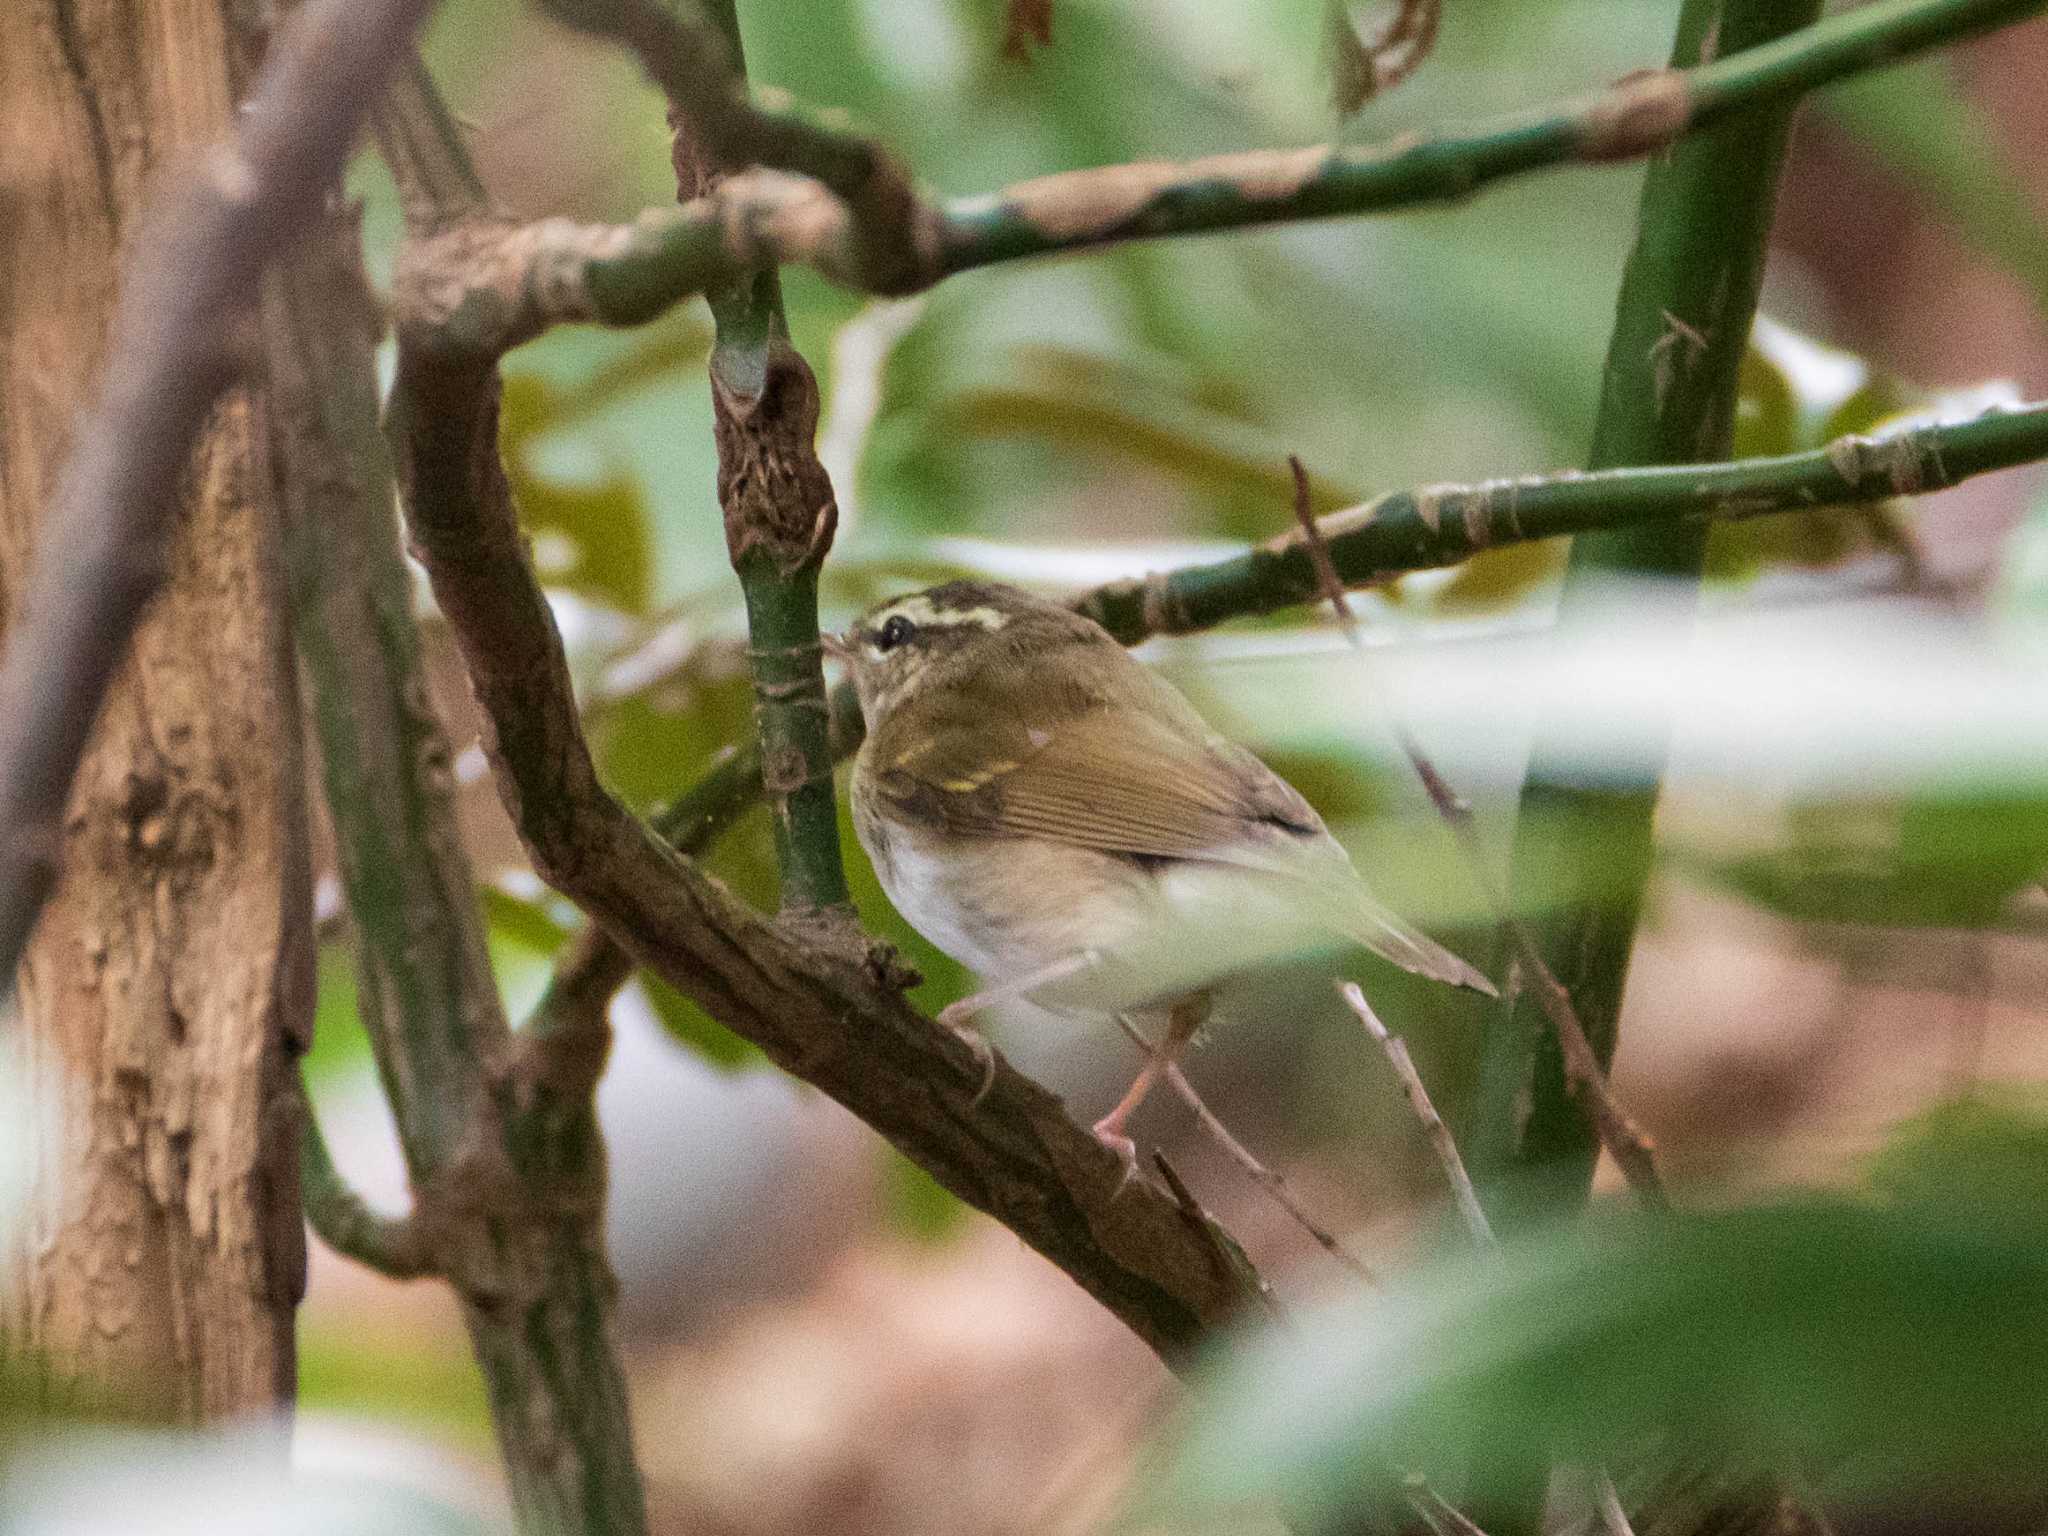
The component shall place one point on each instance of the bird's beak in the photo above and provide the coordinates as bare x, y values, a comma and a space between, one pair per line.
837, 646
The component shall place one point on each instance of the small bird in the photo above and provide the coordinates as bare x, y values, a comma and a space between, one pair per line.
1056, 816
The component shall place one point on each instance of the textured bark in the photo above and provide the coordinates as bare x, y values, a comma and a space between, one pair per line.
169, 984
500, 1134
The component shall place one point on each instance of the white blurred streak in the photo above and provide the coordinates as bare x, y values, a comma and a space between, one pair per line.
39, 1096
98, 1482
15, 1133
1822, 377
860, 358
1066, 566
1843, 699
657, 656
918, 43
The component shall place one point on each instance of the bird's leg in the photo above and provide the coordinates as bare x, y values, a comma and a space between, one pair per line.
1182, 1020
956, 1014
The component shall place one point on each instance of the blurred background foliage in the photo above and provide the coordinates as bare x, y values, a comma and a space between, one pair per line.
1063, 422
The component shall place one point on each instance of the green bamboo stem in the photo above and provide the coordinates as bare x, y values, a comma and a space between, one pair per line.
625, 275
1682, 323
505, 1163
778, 506
1688, 298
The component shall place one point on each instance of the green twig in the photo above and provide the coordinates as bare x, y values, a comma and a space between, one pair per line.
1437, 526
496, 287
1632, 118
780, 514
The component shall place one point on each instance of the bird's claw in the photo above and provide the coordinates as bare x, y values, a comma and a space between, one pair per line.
1126, 1151
984, 1053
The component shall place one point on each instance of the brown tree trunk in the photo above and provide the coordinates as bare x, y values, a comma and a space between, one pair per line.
169, 985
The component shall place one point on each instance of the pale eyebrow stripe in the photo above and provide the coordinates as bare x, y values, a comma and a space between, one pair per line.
919, 610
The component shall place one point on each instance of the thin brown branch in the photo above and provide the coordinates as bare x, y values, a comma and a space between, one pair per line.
827, 1011
1439, 1515
1434, 1510
1027, 24
394, 1246
700, 72
1439, 1134
1607, 1499
1367, 62
1266, 1178
1631, 1149
103, 553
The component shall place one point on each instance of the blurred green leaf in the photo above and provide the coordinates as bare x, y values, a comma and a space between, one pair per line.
339, 1040
1496, 578
652, 745
679, 343
429, 1380
1767, 416
518, 920
592, 539
918, 1204
1140, 415
691, 1026
2020, 592
1951, 857
1896, 1350
1996, 1146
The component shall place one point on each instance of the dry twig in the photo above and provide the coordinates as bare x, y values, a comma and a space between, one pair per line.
1026, 24
1425, 1111
1630, 1148
1613, 1516
1266, 1178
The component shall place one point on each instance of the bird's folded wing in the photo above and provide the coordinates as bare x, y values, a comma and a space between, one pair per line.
1118, 781
1128, 783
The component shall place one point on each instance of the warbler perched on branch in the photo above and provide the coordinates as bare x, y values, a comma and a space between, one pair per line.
1057, 817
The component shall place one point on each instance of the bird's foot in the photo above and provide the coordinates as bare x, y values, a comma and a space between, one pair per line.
1109, 1131
955, 1016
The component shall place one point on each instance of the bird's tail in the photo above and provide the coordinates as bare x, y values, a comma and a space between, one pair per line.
1392, 939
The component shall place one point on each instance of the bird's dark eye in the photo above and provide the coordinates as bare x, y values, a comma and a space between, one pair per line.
893, 633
